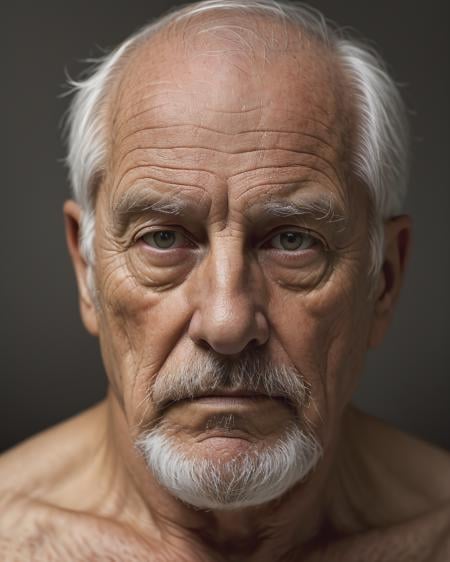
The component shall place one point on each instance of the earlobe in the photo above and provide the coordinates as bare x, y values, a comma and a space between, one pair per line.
72, 220
397, 244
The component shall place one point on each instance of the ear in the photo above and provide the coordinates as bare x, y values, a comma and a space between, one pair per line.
397, 244
72, 221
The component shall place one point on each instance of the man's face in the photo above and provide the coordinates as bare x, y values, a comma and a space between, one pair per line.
228, 223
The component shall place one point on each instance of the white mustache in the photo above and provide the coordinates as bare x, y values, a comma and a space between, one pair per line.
208, 374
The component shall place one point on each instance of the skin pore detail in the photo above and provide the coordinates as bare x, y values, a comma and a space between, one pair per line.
234, 309
228, 203
231, 222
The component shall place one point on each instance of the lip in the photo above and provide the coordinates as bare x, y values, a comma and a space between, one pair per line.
235, 393
232, 397
243, 395
237, 400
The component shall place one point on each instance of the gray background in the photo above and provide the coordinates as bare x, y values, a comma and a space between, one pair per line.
50, 368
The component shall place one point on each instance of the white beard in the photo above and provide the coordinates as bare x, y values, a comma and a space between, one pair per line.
249, 479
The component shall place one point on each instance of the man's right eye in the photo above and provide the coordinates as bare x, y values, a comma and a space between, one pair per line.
165, 239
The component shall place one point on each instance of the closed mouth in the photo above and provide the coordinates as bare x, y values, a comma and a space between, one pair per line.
234, 393
237, 394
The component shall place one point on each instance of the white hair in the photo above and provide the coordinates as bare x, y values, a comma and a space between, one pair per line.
267, 468
379, 154
246, 480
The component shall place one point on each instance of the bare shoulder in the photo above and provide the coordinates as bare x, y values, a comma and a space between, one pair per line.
44, 490
399, 490
35, 531
32, 530
405, 467
421, 539
42, 462
35, 471
29, 474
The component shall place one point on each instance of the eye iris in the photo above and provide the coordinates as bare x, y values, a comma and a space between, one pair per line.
164, 238
291, 240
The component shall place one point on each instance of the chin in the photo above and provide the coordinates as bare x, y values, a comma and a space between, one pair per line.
230, 473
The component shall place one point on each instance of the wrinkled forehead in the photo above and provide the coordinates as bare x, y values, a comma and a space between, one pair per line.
236, 75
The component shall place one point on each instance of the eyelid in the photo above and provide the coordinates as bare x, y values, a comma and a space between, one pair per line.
137, 237
165, 228
280, 230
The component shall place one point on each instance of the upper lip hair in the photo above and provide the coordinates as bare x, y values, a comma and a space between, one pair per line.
236, 393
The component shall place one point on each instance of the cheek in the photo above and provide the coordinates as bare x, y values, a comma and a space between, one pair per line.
138, 329
325, 335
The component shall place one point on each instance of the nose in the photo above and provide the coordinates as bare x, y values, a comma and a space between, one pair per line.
228, 316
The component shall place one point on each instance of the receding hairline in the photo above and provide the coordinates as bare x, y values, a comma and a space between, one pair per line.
193, 33
175, 35
380, 143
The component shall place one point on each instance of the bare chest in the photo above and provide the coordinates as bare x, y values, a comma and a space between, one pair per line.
54, 535
69, 537
426, 539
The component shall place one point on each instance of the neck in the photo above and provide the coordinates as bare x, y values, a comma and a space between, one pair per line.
260, 533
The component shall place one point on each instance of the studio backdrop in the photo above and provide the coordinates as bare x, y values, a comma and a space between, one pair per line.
50, 368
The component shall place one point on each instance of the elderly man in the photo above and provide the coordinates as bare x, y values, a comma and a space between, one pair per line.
238, 171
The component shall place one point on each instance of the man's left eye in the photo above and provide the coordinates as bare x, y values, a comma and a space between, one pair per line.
164, 239
292, 240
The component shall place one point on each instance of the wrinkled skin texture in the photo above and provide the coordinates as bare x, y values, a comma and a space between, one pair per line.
227, 289
224, 132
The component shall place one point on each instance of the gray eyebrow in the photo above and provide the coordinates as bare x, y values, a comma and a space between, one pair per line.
142, 200
137, 202
323, 209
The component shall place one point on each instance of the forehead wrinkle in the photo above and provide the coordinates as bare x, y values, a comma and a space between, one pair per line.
181, 95
257, 141
150, 109
213, 176
194, 78
327, 111
147, 167
188, 102
284, 168
233, 134
187, 93
308, 154
126, 115
157, 137
151, 129
260, 150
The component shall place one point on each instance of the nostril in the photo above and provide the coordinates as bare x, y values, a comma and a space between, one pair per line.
204, 345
